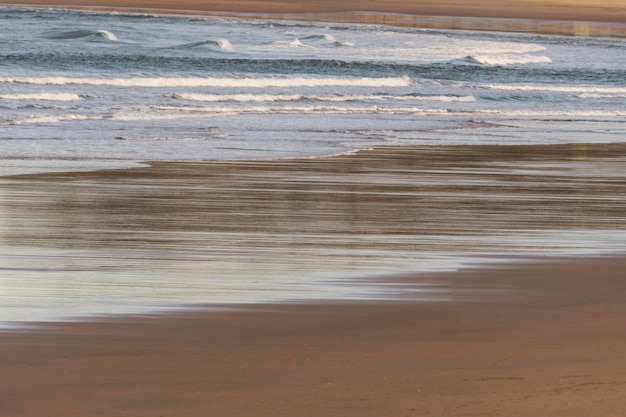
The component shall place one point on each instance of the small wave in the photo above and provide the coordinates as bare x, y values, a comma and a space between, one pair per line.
223, 44
261, 82
236, 97
343, 44
52, 119
158, 138
325, 37
320, 98
601, 95
507, 59
295, 43
557, 88
85, 33
41, 96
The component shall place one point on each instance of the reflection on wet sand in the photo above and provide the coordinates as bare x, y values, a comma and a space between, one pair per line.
241, 231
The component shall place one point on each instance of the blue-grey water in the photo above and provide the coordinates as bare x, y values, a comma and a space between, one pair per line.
82, 91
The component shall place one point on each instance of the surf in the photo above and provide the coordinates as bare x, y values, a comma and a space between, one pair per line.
216, 82
85, 33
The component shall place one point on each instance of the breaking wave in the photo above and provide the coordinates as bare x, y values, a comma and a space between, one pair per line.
85, 33
320, 98
507, 59
557, 88
223, 44
41, 96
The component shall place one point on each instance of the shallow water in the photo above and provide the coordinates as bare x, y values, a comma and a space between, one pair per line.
142, 240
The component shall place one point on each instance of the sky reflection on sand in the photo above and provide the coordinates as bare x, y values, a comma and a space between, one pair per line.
234, 232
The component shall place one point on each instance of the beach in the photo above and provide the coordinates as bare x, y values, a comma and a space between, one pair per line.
532, 336
551, 342
503, 333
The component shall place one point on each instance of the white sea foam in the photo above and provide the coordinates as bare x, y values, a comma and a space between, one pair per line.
574, 89
261, 82
50, 119
289, 44
41, 96
601, 95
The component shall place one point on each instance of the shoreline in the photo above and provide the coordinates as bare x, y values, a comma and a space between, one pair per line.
532, 347
608, 22
320, 228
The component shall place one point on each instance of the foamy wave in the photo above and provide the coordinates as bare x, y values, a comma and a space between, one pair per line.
77, 34
289, 44
508, 59
557, 88
51, 119
601, 95
268, 82
42, 96
321, 98
261, 110
325, 37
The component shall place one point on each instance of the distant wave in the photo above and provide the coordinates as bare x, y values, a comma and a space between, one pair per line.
325, 37
303, 97
291, 43
158, 138
153, 113
42, 96
507, 59
574, 89
85, 33
261, 82
601, 95
328, 40
220, 43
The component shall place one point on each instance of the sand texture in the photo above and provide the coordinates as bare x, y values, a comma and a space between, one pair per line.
549, 340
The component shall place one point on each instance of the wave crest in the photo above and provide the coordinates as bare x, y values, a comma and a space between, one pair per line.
507, 59
42, 97
223, 44
85, 33
250, 82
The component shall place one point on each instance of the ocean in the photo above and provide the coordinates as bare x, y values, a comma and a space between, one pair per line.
82, 91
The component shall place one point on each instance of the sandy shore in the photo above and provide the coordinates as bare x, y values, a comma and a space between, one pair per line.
548, 340
575, 17
527, 339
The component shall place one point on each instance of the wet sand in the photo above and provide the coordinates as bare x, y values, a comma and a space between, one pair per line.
550, 342
530, 338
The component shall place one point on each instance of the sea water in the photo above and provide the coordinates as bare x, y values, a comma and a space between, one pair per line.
78, 87
82, 91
